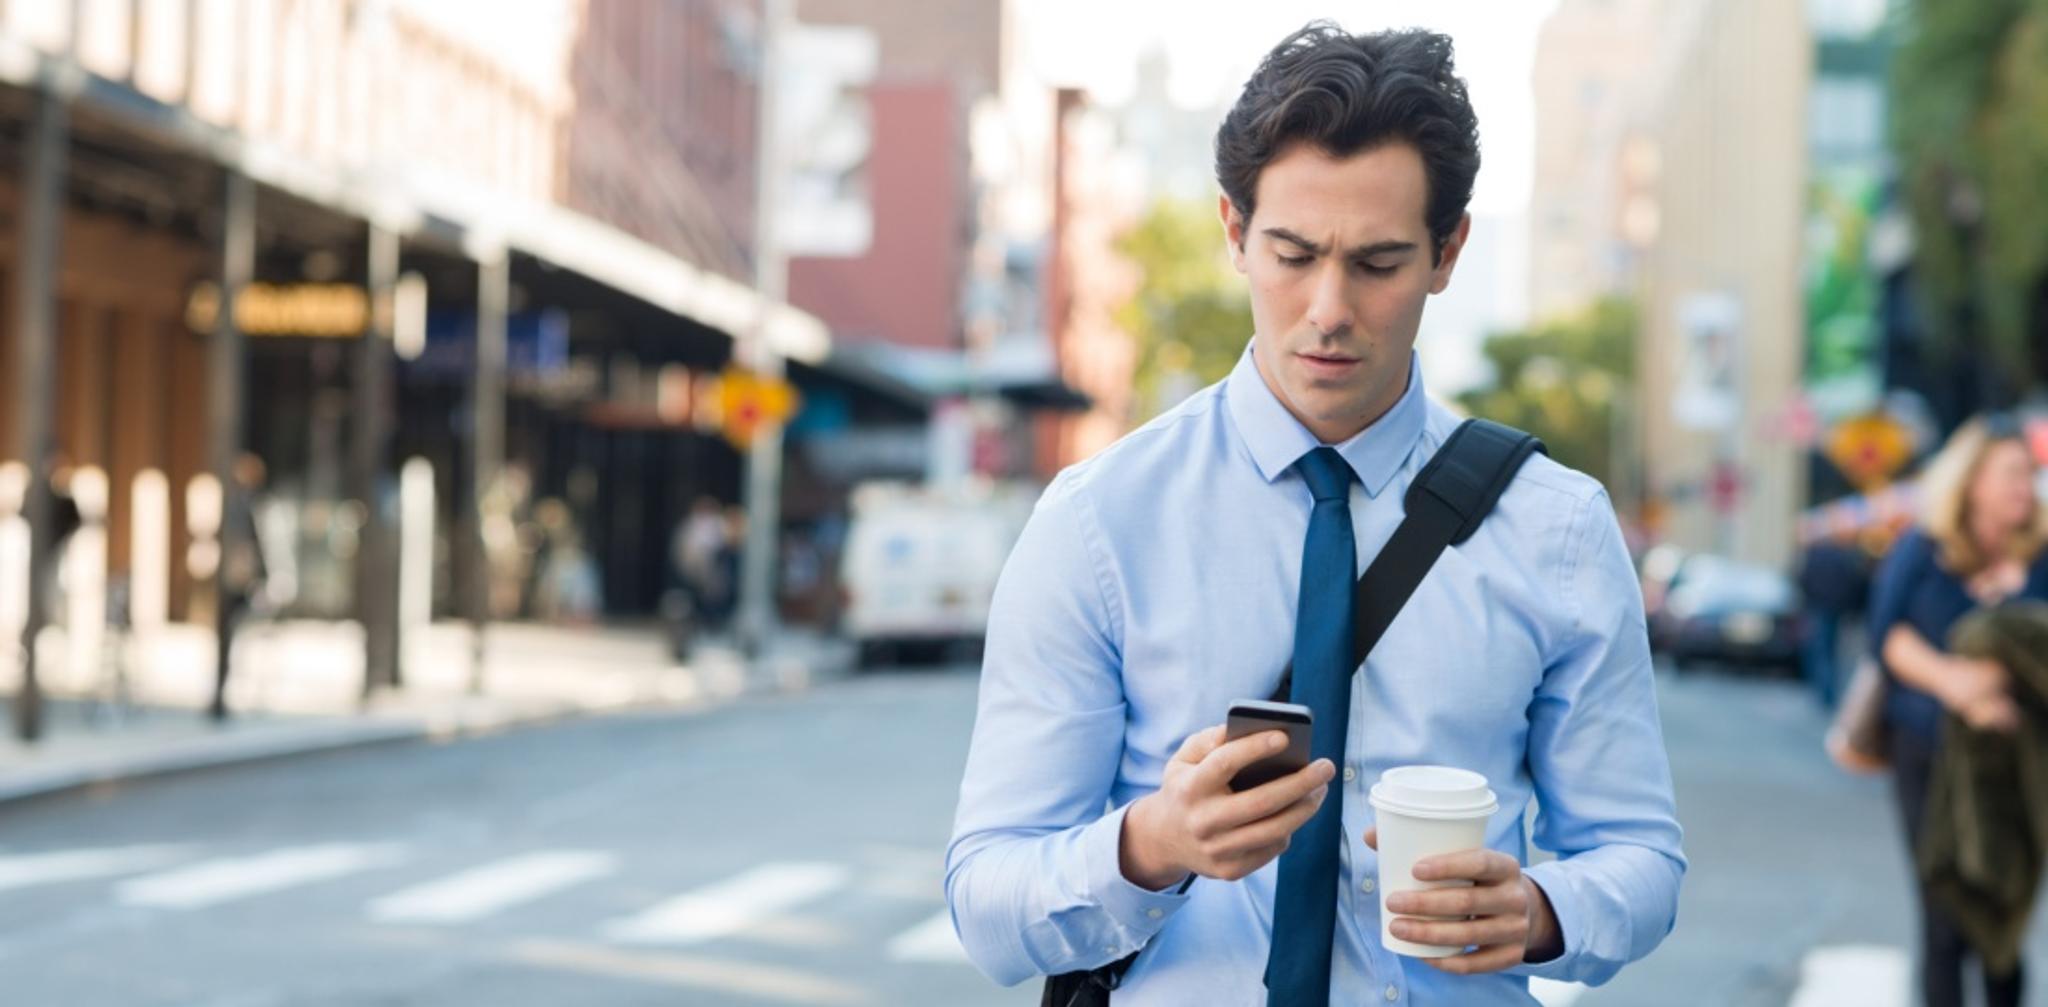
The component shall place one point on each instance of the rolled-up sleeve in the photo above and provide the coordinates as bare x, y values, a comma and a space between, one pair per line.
1033, 879
1602, 777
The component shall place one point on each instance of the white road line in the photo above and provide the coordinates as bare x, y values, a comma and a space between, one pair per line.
225, 879
730, 906
26, 869
484, 890
1552, 993
1867, 975
930, 941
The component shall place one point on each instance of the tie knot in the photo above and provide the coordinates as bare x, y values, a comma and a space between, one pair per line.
1328, 476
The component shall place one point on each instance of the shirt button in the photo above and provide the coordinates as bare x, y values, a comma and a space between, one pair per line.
1154, 913
1350, 774
1393, 994
1366, 886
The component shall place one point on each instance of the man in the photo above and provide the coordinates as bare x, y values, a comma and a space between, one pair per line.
1159, 581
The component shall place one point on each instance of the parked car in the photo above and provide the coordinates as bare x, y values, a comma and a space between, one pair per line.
920, 564
1712, 608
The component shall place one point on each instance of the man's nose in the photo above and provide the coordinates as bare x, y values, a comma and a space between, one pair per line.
1329, 309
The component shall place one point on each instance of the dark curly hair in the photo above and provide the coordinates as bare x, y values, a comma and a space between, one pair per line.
1346, 93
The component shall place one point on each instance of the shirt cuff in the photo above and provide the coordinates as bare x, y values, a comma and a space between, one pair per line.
1554, 878
1137, 909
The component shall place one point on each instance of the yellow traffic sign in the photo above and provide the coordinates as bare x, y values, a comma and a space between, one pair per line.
1870, 449
748, 401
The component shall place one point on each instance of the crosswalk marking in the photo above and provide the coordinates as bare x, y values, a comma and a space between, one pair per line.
226, 879
1867, 975
23, 870
485, 890
730, 906
930, 941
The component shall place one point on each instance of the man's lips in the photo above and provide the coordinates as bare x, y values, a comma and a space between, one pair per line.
1324, 364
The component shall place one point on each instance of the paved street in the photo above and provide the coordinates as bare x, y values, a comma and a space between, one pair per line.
774, 852
782, 851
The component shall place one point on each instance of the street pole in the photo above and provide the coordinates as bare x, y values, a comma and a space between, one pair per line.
35, 371
376, 573
487, 424
757, 616
224, 407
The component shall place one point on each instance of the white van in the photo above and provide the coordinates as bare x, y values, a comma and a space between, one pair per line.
920, 564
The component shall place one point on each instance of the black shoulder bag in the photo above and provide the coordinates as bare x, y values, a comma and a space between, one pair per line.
1444, 506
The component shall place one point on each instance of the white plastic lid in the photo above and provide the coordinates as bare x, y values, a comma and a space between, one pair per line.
1433, 792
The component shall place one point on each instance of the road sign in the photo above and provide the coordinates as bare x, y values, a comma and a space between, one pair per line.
1869, 448
749, 401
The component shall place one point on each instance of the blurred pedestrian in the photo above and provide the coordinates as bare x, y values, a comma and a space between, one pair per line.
65, 522
242, 570
725, 598
568, 588
694, 552
1979, 544
1834, 581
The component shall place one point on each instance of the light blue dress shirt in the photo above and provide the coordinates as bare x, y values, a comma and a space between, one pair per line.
1156, 583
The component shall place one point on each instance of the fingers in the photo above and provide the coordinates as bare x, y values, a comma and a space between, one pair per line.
1372, 838
1275, 796
1227, 839
1464, 900
1224, 761
1491, 917
1995, 714
1485, 932
1199, 745
1486, 959
1483, 866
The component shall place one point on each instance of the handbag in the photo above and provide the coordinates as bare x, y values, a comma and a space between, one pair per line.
1859, 738
1444, 506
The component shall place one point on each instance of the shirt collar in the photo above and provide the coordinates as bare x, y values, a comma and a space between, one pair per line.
1277, 440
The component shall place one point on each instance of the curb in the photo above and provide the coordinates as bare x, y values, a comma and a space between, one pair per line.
463, 718
244, 746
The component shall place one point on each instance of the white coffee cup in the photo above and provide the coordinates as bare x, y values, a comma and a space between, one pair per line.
1424, 811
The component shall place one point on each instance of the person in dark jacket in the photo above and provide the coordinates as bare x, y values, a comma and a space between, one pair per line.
1834, 581
1979, 544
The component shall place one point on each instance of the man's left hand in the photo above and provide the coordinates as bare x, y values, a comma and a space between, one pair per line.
1503, 916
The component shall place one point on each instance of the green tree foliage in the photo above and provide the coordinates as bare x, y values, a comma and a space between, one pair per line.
1970, 125
1190, 315
1564, 381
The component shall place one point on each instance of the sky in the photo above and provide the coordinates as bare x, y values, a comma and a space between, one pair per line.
1214, 44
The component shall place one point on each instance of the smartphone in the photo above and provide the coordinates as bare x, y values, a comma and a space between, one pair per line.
1251, 716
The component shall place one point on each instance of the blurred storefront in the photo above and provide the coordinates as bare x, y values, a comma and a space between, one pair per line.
491, 242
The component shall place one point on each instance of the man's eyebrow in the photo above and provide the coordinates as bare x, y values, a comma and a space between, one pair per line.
1362, 251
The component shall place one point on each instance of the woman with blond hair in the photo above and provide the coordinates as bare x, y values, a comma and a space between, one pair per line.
1979, 544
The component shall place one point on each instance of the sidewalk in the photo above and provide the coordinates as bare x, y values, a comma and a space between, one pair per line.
296, 688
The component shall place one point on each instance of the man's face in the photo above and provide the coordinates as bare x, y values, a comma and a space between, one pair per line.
1339, 262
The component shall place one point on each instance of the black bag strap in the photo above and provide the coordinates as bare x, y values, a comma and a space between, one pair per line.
1445, 504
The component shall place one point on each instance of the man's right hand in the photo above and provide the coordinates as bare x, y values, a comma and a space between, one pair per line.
1195, 824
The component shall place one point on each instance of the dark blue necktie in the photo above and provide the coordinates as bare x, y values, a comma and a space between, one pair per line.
1305, 902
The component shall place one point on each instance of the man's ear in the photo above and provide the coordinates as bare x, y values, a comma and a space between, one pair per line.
1447, 261
1233, 230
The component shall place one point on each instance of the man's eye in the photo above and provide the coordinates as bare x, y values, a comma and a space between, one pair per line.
1377, 270
1295, 261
